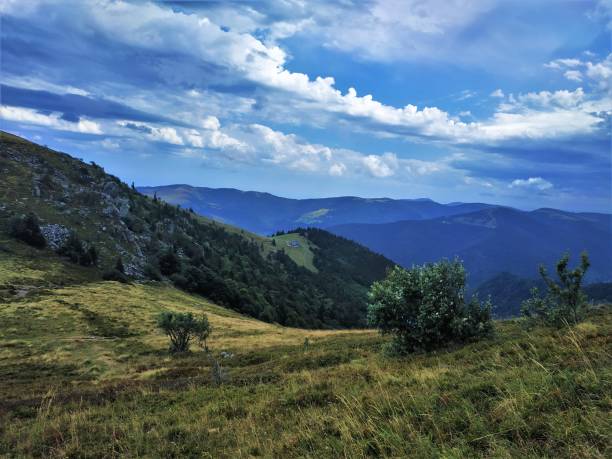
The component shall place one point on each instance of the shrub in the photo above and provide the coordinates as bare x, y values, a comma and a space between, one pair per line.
564, 302
152, 272
74, 249
424, 307
27, 229
117, 273
169, 263
182, 328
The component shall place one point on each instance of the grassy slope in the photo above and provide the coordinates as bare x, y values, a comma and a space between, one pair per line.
302, 255
83, 372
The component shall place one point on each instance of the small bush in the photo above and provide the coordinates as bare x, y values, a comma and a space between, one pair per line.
169, 263
117, 273
424, 308
182, 328
27, 229
76, 251
152, 272
564, 302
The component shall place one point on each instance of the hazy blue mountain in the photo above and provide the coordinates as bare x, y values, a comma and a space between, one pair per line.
265, 213
493, 240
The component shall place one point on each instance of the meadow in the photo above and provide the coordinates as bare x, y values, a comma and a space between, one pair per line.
85, 373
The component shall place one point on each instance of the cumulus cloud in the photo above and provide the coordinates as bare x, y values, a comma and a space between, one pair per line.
546, 99
381, 166
211, 136
599, 72
154, 26
337, 169
498, 93
537, 183
211, 123
158, 28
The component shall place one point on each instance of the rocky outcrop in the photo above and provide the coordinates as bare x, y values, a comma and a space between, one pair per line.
55, 235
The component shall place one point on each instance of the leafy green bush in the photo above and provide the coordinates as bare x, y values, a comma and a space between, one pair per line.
27, 229
182, 328
564, 302
424, 308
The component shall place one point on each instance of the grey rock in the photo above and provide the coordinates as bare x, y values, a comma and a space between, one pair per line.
55, 235
110, 188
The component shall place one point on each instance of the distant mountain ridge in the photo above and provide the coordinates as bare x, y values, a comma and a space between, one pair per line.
265, 213
493, 240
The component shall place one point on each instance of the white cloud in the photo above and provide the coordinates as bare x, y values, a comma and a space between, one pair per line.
381, 166
166, 134
600, 73
560, 63
212, 137
337, 169
109, 144
211, 122
157, 27
419, 167
36, 84
465, 95
547, 99
497, 93
270, 147
285, 149
468, 180
53, 120
537, 183
573, 75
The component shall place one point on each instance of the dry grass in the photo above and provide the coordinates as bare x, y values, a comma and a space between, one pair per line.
84, 373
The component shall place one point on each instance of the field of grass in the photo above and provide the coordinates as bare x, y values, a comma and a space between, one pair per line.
302, 255
84, 373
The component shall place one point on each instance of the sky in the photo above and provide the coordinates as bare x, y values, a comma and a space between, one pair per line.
506, 102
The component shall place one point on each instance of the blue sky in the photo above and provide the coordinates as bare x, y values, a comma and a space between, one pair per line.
496, 101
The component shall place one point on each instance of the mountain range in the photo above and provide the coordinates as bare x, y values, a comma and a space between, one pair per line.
264, 213
489, 239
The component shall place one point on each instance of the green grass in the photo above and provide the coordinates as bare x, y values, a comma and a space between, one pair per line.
85, 373
302, 255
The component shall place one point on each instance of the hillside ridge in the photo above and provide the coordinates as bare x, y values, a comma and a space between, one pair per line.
159, 241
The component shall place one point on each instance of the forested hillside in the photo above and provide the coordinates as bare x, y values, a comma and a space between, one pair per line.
94, 219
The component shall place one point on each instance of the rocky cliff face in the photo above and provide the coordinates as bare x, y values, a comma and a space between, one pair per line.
69, 195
